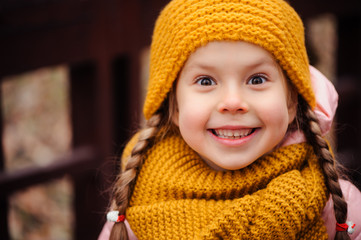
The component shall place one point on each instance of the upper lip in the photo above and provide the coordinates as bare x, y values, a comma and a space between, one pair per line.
232, 127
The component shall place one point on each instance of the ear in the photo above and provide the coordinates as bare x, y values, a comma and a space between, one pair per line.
175, 116
173, 108
292, 108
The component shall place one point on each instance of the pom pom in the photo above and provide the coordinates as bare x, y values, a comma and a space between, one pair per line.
113, 216
351, 227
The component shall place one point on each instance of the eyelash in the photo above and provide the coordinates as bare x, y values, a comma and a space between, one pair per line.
263, 77
213, 82
199, 79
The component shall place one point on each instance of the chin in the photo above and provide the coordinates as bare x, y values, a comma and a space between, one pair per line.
231, 167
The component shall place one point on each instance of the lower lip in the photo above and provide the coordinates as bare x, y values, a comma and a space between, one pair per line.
233, 142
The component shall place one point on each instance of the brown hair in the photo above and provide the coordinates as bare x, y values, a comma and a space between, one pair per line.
153, 131
309, 124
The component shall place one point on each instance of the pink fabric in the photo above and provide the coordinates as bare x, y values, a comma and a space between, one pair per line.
353, 198
326, 104
105, 233
107, 228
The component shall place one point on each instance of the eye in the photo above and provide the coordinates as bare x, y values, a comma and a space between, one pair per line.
258, 79
205, 81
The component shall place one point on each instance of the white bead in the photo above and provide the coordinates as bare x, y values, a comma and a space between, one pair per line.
351, 227
112, 216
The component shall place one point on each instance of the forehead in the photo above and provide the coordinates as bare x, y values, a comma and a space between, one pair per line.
228, 55
246, 54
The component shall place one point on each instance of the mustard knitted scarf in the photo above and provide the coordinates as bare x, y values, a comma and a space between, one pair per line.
177, 196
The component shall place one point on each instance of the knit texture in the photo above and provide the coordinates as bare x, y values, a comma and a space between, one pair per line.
177, 196
185, 25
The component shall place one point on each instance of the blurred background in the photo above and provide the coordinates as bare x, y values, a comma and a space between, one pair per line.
73, 74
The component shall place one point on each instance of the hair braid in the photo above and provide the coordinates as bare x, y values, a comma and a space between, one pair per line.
124, 184
310, 126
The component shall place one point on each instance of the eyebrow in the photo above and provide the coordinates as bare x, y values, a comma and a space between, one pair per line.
253, 64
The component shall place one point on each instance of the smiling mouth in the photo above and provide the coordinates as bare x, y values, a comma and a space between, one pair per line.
233, 134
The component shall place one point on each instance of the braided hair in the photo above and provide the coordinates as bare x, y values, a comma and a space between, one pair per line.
153, 131
309, 124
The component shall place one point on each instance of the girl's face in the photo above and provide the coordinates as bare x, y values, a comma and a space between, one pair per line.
232, 104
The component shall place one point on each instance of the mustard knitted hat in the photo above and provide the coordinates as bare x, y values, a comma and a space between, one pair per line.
185, 25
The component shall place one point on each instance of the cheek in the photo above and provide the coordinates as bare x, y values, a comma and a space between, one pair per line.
190, 117
275, 114
192, 111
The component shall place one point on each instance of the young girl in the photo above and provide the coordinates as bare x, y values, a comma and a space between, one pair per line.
232, 147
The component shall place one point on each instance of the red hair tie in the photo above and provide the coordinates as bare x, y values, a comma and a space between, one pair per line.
348, 226
113, 216
120, 218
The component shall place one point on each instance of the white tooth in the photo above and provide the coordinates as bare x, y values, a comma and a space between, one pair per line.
242, 132
229, 133
245, 132
220, 132
237, 133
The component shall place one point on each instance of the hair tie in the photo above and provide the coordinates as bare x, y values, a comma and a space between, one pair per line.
348, 226
113, 216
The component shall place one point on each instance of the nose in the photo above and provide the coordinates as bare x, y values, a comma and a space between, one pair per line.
233, 101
